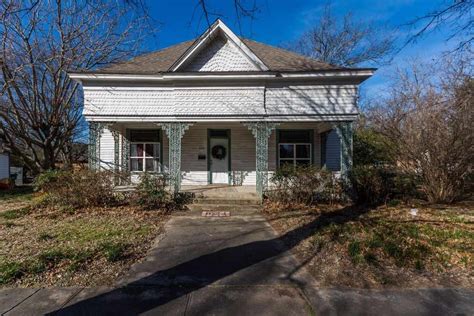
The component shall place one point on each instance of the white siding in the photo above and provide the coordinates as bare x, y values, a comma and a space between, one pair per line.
242, 150
4, 166
243, 160
219, 101
130, 101
107, 150
220, 55
194, 143
232, 101
311, 100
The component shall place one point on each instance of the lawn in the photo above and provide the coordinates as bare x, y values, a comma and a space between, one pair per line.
15, 198
381, 247
94, 246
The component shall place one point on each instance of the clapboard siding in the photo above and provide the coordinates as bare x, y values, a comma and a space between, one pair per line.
107, 149
243, 159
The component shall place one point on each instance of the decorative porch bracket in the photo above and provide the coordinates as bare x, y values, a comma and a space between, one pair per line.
261, 131
175, 132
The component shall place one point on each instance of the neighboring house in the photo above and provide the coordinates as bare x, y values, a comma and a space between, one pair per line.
220, 109
4, 163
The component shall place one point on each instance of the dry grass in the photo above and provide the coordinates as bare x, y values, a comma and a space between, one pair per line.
382, 247
67, 247
16, 198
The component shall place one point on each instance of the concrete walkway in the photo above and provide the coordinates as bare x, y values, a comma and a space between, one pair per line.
227, 266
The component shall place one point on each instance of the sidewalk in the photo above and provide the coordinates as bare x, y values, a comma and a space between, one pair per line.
227, 266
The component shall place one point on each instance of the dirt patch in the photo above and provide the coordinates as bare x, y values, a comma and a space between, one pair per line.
381, 247
67, 247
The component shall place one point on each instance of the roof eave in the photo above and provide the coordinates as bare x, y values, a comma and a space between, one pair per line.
356, 74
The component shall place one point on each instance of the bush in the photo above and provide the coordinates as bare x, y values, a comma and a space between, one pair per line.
377, 184
371, 147
152, 193
77, 189
304, 185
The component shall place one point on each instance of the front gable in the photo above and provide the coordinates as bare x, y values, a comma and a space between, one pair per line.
221, 54
218, 50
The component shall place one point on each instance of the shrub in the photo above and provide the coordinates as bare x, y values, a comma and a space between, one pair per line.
151, 192
371, 147
304, 185
378, 184
82, 188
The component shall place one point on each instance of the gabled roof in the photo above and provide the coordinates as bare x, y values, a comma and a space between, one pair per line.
218, 28
173, 58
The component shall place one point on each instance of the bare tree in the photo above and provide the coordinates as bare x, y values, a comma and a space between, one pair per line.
344, 42
455, 15
40, 107
242, 9
428, 115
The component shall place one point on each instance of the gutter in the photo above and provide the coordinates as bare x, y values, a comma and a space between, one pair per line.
361, 74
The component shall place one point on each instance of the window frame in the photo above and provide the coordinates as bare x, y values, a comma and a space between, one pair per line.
144, 157
294, 159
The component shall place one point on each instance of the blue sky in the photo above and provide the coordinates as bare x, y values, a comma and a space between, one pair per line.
281, 21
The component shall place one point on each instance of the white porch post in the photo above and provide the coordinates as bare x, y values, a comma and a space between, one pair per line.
261, 131
175, 132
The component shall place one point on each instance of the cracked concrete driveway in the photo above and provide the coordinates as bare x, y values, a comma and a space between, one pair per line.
227, 266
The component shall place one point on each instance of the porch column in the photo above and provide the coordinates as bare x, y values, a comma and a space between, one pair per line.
261, 131
175, 132
115, 135
345, 132
92, 153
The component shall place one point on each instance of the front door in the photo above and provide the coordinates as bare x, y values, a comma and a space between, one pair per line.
219, 156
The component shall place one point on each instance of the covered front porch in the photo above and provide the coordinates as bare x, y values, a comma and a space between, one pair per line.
201, 154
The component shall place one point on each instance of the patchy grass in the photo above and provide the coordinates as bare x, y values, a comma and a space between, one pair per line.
17, 198
15, 213
24, 193
44, 247
382, 247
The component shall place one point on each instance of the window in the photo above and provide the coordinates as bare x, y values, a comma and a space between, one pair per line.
294, 147
145, 150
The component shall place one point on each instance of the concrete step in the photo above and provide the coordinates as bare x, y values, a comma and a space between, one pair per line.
219, 201
235, 208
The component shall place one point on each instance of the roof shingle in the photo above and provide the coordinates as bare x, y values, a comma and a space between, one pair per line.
276, 59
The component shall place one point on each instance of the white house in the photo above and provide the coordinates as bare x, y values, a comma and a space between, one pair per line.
220, 109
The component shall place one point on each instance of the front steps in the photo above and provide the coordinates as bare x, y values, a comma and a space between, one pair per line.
221, 207
238, 200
